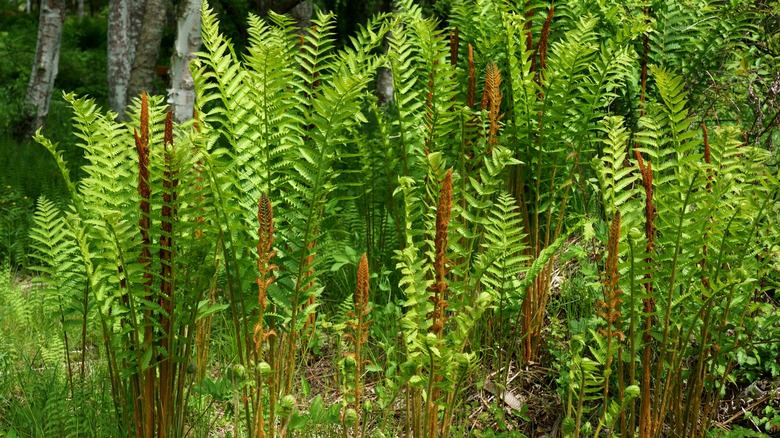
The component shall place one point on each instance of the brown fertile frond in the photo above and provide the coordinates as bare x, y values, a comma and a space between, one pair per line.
645, 420
707, 154
542, 48
492, 89
359, 334
454, 46
195, 120
640, 162
472, 79
144, 119
170, 182
168, 211
491, 100
486, 90
166, 297
440, 249
145, 222
612, 292
264, 278
439, 287
361, 290
257, 336
142, 148
442, 224
145, 257
265, 218
612, 247
265, 252
309, 261
647, 182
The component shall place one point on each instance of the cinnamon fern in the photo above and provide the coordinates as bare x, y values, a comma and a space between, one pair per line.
214, 260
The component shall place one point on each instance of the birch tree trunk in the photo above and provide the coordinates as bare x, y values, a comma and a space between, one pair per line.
124, 25
44, 69
148, 48
302, 13
278, 6
384, 76
181, 96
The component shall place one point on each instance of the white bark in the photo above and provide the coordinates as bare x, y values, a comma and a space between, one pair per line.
148, 48
384, 85
80, 9
124, 23
302, 13
384, 76
181, 95
44, 69
120, 54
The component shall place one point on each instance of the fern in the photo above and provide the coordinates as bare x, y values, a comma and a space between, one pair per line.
616, 180
502, 261
405, 58
462, 212
585, 384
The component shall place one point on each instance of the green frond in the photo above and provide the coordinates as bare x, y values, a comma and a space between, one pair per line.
619, 183
499, 266
56, 252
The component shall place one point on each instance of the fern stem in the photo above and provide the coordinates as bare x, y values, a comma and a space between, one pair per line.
145, 257
67, 348
632, 331
167, 285
472, 81
85, 307
662, 396
645, 419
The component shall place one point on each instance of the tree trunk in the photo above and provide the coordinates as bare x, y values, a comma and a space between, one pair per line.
302, 13
124, 25
278, 6
80, 9
148, 48
384, 76
44, 69
182, 93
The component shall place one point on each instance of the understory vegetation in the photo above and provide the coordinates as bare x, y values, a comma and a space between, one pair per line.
564, 222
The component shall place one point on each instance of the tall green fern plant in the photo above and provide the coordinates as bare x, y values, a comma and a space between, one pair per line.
133, 221
285, 116
548, 126
684, 260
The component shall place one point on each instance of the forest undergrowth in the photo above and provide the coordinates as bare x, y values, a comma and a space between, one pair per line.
563, 222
